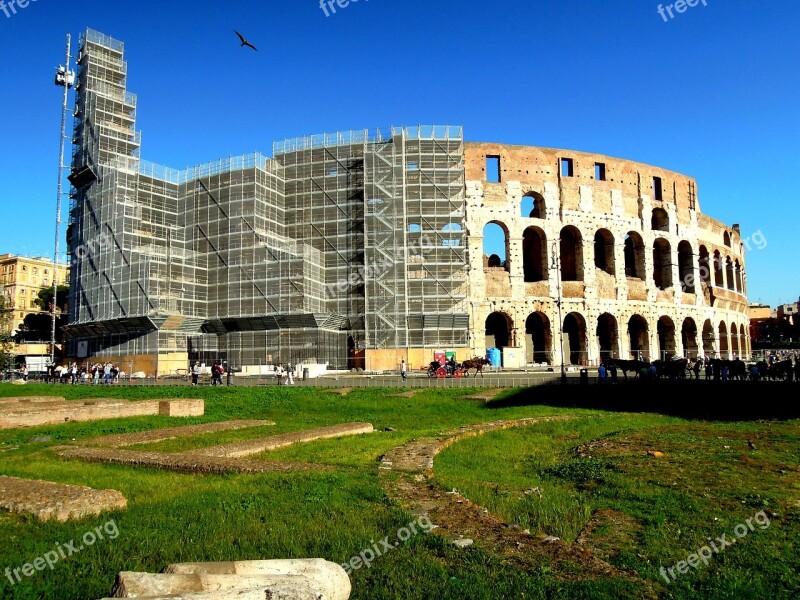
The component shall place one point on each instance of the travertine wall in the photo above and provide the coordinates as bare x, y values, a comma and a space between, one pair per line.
622, 203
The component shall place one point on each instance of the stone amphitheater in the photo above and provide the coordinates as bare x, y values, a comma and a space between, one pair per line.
643, 273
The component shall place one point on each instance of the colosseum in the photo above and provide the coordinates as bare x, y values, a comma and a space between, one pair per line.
361, 249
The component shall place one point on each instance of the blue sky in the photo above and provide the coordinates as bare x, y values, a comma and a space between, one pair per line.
712, 93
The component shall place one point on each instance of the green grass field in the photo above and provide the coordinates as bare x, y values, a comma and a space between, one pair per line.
708, 481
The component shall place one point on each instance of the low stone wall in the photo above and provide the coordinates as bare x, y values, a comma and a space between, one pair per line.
51, 413
49, 500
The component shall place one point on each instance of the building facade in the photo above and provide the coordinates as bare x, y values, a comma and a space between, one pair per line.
362, 249
21, 280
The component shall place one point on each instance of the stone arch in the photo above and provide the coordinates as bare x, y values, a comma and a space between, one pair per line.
705, 266
634, 255
726, 239
724, 345
534, 254
639, 334
659, 220
666, 338
607, 336
571, 254
719, 275
575, 334
538, 338
533, 206
662, 264
499, 329
739, 279
709, 339
689, 338
686, 267
730, 281
496, 256
604, 251
743, 341
736, 348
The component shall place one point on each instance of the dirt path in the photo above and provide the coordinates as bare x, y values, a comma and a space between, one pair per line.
407, 475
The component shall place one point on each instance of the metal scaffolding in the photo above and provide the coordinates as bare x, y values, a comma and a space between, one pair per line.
341, 243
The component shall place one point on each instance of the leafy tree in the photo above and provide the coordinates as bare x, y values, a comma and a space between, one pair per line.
6, 339
45, 298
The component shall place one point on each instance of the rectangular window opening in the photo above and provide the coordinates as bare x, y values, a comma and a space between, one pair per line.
658, 192
600, 171
567, 167
493, 169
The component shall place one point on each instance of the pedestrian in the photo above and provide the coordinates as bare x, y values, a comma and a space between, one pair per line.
698, 364
602, 374
195, 372
289, 374
613, 370
403, 370
725, 372
279, 373
652, 372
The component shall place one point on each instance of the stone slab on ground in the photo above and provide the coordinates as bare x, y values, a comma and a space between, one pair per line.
486, 395
294, 579
171, 433
251, 447
91, 410
49, 500
29, 400
183, 463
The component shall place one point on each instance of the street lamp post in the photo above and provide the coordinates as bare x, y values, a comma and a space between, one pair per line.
556, 265
66, 79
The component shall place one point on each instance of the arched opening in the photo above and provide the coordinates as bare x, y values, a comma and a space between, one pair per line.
639, 337
724, 345
709, 339
538, 338
739, 278
604, 251
662, 264
575, 330
736, 347
719, 276
495, 246
705, 266
659, 220
689, 338
534, 254
743, 342
634, 255
607, 336
571, 254
498, 330
726, 239
686, 266
730, 280
666, 338
533, 206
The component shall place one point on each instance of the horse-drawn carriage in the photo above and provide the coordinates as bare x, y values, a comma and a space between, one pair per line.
456, 370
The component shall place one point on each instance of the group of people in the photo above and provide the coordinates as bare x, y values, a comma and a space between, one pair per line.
217, 371
284, 375
93, 374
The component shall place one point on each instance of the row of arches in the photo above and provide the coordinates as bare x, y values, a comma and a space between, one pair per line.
633, 341
571, 253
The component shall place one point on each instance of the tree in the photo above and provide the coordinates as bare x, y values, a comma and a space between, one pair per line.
44, 299
6, 339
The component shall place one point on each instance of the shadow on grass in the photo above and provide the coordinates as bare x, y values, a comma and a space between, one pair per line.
731, 401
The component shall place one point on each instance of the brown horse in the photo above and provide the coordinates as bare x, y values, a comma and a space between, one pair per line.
476, 363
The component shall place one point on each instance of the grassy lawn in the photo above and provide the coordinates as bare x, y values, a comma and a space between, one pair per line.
671, 502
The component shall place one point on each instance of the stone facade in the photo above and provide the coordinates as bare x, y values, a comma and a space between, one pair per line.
643, 272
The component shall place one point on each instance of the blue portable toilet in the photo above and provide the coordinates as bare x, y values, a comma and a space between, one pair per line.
495, 357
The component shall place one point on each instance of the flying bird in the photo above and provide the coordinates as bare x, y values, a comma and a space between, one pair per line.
244, 41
